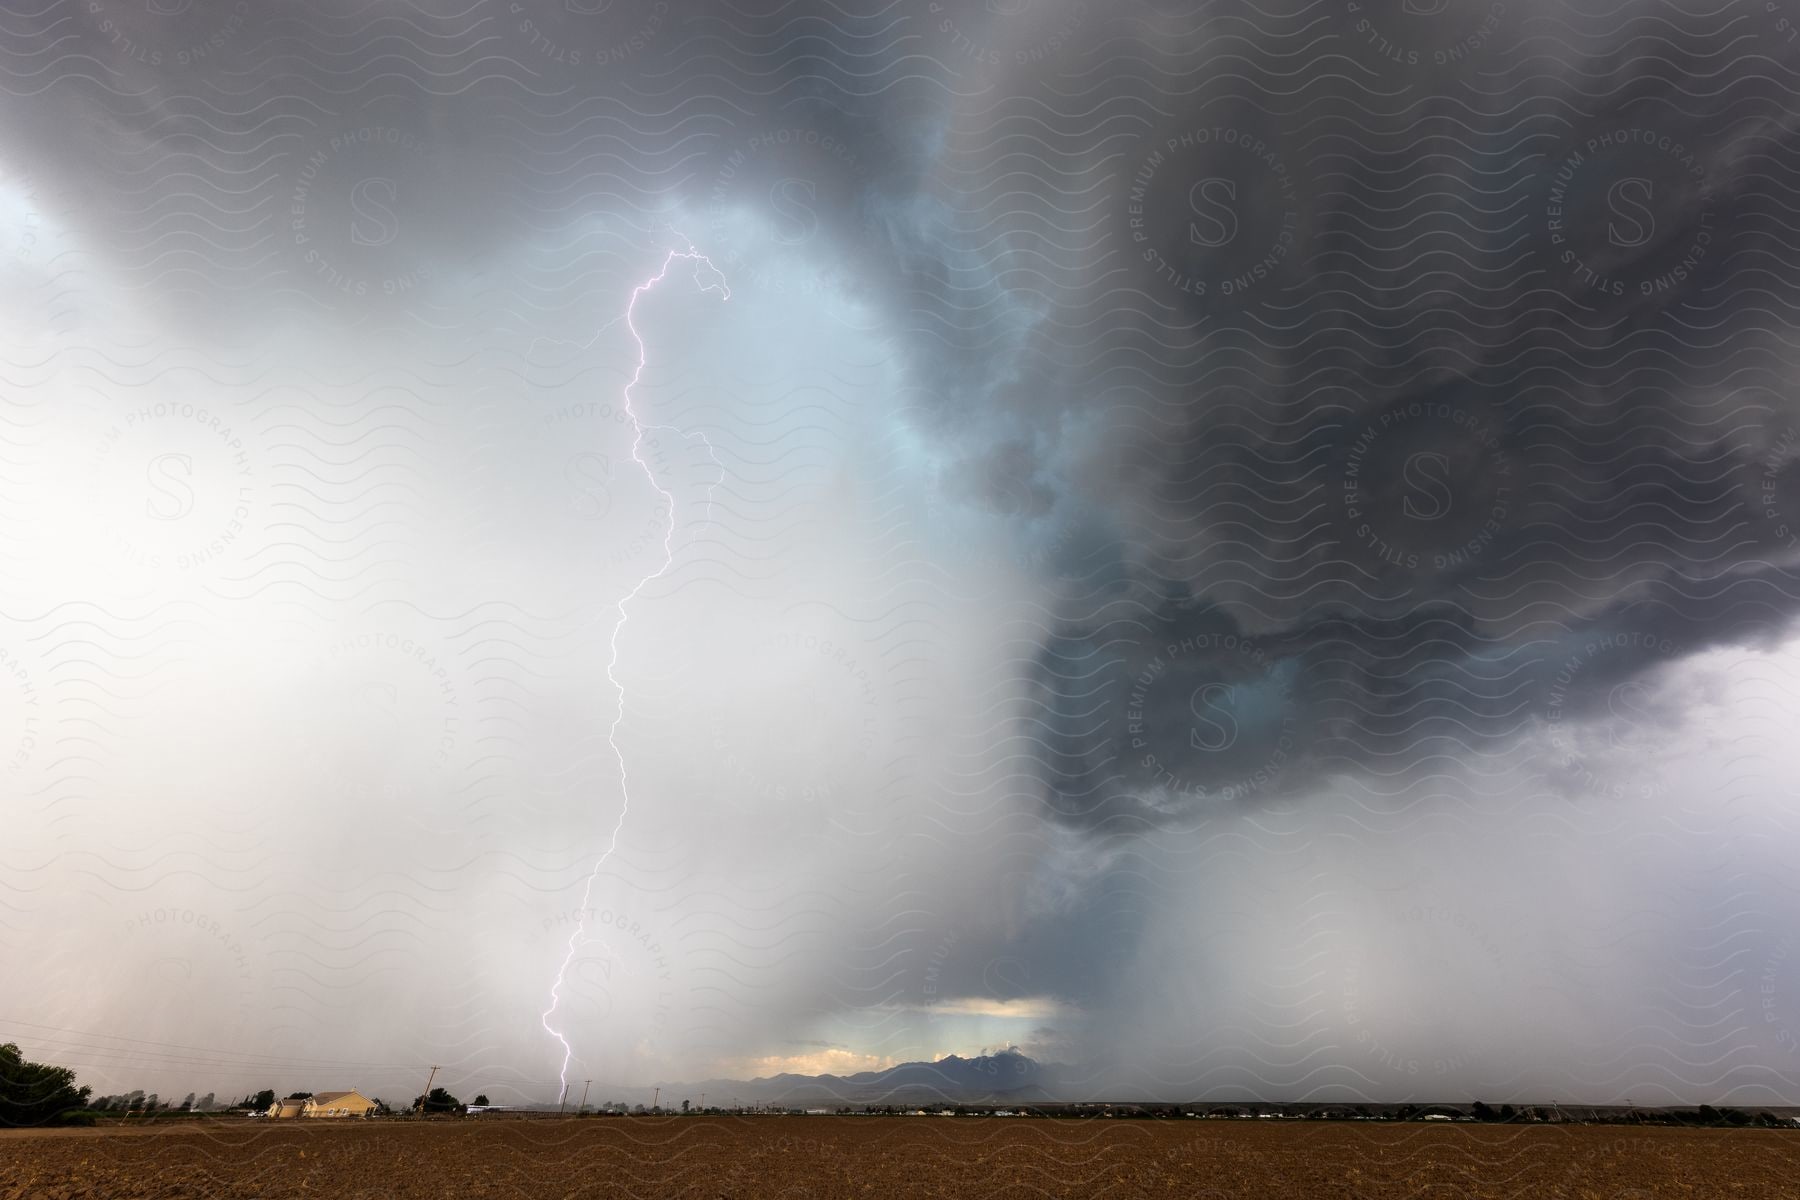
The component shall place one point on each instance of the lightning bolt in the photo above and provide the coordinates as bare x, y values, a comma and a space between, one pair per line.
638, 429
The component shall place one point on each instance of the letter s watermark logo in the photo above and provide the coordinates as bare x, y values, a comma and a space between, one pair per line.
372, 222
588, 474
172, 495
1629, 200
1217, 728
1632, 715
793, 200
1214, 205
379, 699
1427, 476
1005, 977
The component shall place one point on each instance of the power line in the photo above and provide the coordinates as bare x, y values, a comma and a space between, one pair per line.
61, 1049
425, 1099
136, 1053
329, 1062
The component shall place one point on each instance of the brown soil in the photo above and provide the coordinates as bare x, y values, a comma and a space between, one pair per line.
880, 1157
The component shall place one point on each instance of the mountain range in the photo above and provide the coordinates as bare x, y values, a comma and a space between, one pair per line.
1004, 1077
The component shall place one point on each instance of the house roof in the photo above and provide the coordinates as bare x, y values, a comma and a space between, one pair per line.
321, 1098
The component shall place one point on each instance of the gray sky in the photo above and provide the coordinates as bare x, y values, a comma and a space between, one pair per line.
1246, 549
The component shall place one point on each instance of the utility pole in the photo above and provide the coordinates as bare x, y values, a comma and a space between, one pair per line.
655, 1096
425, 1099
585, 1085
703, 1101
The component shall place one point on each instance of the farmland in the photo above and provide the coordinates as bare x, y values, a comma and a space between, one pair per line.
875, 1157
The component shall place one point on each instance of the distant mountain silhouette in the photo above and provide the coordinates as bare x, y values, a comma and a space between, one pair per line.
1007, 1076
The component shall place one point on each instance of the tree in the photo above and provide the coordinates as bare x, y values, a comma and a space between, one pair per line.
438, 1101
481, 1100
35, 1093
299, 1095
205, 1103
684, 1106
187, 1105
263, 1099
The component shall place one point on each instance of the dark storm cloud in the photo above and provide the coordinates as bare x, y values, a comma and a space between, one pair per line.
1416, 319
1372, 387
1431, 354
202, 141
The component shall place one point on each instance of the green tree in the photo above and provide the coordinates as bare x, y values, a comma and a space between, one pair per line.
439, 1101
481, 1100
35, 1093
263, 1099
299, 1095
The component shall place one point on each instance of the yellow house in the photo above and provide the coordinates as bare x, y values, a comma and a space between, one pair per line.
338, 1104
325, 1104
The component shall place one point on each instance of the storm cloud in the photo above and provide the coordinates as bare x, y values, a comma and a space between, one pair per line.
1230, 545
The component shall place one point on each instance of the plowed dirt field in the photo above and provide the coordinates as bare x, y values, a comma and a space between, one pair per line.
874, 1158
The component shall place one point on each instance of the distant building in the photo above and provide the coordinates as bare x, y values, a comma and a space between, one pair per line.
339, 1104
325, 1104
